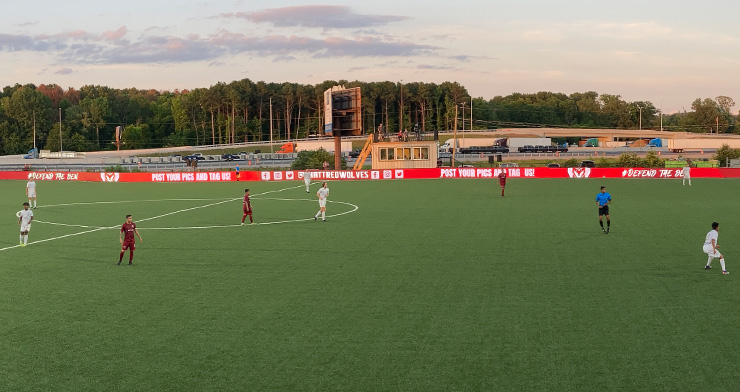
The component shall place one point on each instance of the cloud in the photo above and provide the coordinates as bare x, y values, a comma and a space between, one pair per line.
115, 35
64, 71
315, 16
433, 67
463, 58
634, 31
284, 59
82, 47
216, 64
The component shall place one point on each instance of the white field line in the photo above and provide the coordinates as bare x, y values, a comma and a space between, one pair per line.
61, 236
122, 201
355, 208
69, 225
174, 212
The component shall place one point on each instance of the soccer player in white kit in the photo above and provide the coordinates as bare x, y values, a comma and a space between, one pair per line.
25, 217
307, 179
323, 193
31, 192
710, 248
686, 174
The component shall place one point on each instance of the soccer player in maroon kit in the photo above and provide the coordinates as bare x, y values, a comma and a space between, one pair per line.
127, 239
502, 181
247, 208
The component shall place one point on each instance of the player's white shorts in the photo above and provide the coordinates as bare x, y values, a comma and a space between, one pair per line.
307, 180
322, 203
25, 227
711, 251
31, 193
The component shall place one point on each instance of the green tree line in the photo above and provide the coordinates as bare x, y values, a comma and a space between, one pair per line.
240, 112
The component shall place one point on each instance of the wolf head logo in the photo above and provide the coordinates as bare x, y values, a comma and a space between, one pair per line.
579, 172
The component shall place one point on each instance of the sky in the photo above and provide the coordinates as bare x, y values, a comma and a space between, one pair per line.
666, 52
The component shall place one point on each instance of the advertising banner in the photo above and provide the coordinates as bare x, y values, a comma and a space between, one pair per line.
374, 175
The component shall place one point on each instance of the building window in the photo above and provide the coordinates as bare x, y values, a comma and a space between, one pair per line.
386, 154
404, 153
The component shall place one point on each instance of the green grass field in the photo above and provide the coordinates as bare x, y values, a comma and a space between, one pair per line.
430, 285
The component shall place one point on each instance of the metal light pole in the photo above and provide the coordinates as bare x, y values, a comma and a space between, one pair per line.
454, 140
400, 125
463, 123
271, 126
61, 147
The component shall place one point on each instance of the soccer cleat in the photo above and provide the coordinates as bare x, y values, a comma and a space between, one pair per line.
22, 244
323, 220
242, 223
706, 267
607, 231
604, 230
118, 263
130, 263
725, 273
315, 217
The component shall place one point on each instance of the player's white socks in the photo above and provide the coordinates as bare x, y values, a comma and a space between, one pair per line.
25, 242
323, 216
317, 214
34, 202
722, 262
709, 261
21, 241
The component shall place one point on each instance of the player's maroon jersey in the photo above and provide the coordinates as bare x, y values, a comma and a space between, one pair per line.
128, 229
502, 178
247, 205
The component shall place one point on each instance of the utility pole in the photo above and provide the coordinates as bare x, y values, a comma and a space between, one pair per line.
640, 117
271, 126
34, 130
717, 125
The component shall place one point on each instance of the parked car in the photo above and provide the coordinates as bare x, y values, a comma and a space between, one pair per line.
230, 157
194, 157
508, 164
355, 153
484, 150
588, 164
526, 148
562, 148
553, 164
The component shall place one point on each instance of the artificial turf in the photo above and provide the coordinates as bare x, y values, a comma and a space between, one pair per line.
429, 285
